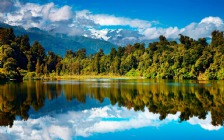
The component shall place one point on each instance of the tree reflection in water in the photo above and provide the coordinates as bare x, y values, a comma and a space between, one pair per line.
190, 98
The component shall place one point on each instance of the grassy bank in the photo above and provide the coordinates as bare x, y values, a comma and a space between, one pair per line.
93, 77
52, 76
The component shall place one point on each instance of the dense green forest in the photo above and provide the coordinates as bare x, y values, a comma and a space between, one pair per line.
188, 59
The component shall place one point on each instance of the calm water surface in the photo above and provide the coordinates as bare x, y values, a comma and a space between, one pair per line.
112, 109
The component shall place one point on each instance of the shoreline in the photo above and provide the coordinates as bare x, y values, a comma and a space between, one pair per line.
92, 77
79, 77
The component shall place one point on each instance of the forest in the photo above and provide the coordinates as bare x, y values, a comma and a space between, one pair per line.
164, 59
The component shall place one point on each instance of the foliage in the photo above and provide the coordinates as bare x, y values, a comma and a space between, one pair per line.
191, 59
2, 76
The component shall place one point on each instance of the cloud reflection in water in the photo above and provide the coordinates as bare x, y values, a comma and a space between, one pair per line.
88, 122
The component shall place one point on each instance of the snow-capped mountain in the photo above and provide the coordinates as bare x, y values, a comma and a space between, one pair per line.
119, 37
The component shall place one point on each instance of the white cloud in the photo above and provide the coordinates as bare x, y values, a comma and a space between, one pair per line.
172, 32
64, 13
204, 28
65, 20
83, 14
5, 5
151, 33
206, 124
212, 20
60, 132
111, 20
194, 30
35, 15
154, 33
100, 33
46, 10
88, 122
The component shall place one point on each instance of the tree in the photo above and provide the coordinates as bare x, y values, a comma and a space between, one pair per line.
115, 65
96, 63
38, 67
81, 54
38, 55
163, 41
7, 36
52, 61
113, 54
202, 41
10, 64
38, 51
128, 63
186, 40
217, 38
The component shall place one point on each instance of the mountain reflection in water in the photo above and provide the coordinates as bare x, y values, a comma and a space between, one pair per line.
167, 100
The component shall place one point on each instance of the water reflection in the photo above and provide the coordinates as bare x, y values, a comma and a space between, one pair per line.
182, 99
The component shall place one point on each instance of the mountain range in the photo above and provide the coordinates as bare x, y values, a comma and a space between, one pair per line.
59, 43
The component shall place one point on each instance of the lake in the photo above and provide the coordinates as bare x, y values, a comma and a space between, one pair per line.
132, 109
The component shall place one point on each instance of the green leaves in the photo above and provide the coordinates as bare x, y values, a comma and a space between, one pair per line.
166, 59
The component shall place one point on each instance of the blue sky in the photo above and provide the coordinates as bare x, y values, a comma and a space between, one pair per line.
135, 19
169, 12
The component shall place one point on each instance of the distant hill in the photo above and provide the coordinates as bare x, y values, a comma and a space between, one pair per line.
59, 43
